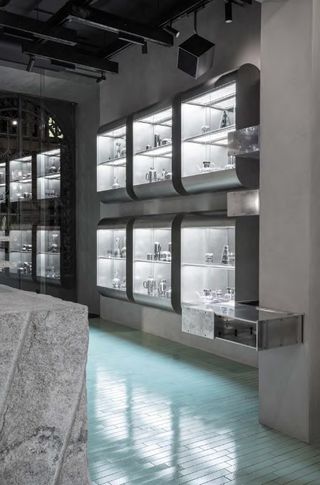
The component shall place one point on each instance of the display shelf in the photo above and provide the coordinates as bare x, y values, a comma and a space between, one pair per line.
211, 266
48, 254
207, 261
152, 152
112, 148
256, 327
210, 115
156, 262
20, 171
49, 175
113, 272
20, 252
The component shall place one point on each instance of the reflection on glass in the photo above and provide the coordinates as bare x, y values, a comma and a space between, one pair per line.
21, 179
112, 253
112, 157
48, 174
152, 148
48, 253
20, 252
2, 183
206, 122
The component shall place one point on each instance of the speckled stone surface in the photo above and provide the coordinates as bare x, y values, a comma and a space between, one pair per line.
198, 321
43, 423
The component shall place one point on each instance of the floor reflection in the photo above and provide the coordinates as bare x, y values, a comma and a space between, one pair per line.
160, 413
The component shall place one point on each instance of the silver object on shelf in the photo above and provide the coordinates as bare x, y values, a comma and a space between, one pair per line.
151, 175
157, 251
150, 285
225, 255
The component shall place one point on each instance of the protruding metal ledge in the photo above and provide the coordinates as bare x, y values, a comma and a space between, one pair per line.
257, 327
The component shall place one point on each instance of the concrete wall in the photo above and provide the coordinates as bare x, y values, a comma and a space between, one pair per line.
289, 223
147, 79
86, 94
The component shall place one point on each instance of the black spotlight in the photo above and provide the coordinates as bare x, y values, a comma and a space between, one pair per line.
228, 11
144, 48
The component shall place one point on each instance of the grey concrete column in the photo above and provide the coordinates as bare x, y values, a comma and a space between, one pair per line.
290, 224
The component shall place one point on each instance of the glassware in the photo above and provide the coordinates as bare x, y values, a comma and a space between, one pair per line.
115, 184
157, 251
225, 255
117, 250
162, 288
151, 175
116, 282
208, 257
225, 120
150, 285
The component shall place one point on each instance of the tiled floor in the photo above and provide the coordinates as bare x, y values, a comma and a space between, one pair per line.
163, 413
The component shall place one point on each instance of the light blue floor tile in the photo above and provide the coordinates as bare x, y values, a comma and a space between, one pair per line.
162, 413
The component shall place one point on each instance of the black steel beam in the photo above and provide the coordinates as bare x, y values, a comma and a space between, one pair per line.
187, 8
37, 29
71, 55
113, 23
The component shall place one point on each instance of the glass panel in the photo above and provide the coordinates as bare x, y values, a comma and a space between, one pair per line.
20, 252
112, 159
207, 265
48, 174
152, 262
48, 253
111, 250
206, 122
152, 148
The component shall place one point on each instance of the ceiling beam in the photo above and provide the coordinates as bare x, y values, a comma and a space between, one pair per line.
37, 29
70, 55
113, 23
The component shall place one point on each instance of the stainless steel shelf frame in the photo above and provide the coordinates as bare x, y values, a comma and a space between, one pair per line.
257, 327
211, 154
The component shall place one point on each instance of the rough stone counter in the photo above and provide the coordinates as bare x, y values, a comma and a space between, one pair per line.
43, 425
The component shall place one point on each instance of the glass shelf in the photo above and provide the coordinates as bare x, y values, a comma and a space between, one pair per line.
20, 179
150, 261
112, 260
49, 175
207, 262
214, 137
152, 150
48, 254
115, 162
20, 252
211, 266
111, 162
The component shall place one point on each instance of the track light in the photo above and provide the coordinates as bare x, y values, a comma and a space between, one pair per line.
228, 11
14, 122
172, 30
144, 48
